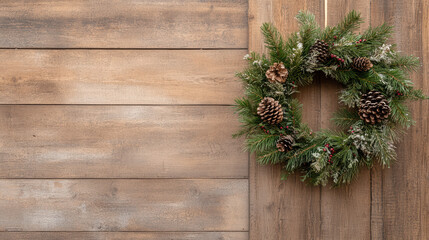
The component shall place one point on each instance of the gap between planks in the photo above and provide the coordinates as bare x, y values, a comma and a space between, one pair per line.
117, 105
119, 231
133, 178
134, 49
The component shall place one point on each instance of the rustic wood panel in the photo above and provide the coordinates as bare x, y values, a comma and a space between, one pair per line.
284, 209
124, 235
120, 76
383, 204
93, 141
123, 24
404, 187
124, 205
424, 134
346, 211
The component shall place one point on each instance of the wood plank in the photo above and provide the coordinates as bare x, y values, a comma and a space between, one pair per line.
405, 186
124, 235
93, 141
124, 205
120, 76
345, 211
424, 134
378, 16
284, 209
123, 24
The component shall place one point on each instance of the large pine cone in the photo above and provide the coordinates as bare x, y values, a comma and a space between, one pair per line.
270, 111
284, 144
321, 49
362, 64
277, 73
373, 107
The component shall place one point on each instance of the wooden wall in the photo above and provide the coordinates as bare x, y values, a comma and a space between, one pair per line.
115, 120
115, 123
388, 204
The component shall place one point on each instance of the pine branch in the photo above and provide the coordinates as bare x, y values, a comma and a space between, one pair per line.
375, 37
407, 63
274, 42
270, 157
309, 29
350, 23
400, 113
261, 142
345, 118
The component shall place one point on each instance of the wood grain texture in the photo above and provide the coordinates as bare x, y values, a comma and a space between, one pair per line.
120, 76
284, 209
424, 134
93, 141
123, 24
346, 211
404, 187
124, 235
124, 205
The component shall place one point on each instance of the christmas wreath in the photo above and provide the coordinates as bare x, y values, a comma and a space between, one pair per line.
373, 114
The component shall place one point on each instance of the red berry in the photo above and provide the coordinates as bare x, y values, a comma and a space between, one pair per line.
268, 131
332, 149
332, 55
324, 149
339, 59
353, 131
330, 155
342, 60
364, 40
281, 127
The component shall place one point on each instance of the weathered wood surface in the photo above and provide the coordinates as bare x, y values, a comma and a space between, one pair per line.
382, 204
283, 209
124, 235
116, 122
123, 24
119, 76
403, 200
93, 141
345, 212
124, 205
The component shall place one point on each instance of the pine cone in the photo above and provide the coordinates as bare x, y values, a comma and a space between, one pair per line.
277, 73
284, 144
362, 64
373, 107
321, 49
270, 111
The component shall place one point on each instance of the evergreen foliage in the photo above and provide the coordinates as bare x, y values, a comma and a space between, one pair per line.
327, 156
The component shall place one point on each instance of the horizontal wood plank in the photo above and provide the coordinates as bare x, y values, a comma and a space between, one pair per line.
124, 235
93, 141
123, 24
124, 205
120, 76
